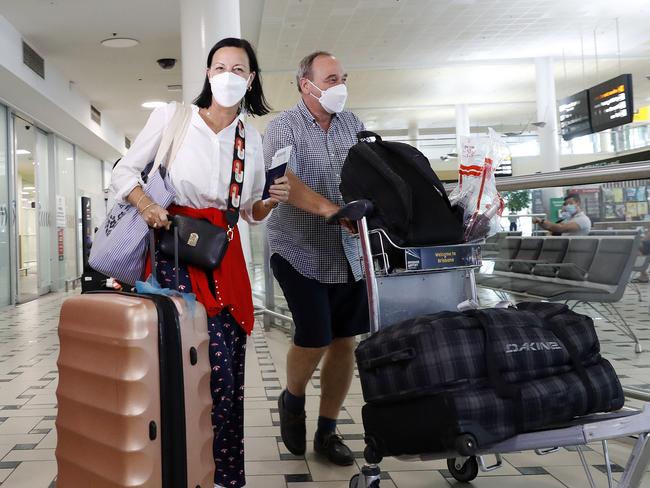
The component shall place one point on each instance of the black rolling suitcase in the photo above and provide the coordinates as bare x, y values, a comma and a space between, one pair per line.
459, 381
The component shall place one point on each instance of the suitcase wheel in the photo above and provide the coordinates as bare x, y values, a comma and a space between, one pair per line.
463, 472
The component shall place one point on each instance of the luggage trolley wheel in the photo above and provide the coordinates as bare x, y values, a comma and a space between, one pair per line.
356, 479
371, 454
466, 473
368, 478
466, 444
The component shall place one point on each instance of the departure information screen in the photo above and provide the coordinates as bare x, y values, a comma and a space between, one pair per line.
611, 103
574, 115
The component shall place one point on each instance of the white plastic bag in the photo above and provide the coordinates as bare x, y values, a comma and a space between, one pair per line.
476, 192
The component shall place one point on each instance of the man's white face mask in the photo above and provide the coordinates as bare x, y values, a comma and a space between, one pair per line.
333, 99
228, 89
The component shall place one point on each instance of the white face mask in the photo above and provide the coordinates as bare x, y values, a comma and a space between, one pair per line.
571, 209
228, 89
333, 99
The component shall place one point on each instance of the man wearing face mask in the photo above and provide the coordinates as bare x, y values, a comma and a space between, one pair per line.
317, 265
573, 221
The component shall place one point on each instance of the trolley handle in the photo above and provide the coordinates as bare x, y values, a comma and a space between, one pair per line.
353, 211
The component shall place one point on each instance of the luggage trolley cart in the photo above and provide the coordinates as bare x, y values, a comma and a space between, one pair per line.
396, 294
399, 294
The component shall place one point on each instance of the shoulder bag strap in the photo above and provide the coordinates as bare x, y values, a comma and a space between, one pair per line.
179, 133
236, 179
172, 137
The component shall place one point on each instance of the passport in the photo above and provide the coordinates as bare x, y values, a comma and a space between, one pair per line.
277, 169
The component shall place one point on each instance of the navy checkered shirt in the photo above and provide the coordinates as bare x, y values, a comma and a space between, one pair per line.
316, 250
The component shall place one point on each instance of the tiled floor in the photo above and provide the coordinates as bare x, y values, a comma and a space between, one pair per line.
28, 378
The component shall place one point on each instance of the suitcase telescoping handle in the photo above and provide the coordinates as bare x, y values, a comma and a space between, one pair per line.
152, 252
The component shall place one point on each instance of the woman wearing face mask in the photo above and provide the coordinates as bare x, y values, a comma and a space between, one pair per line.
573, 221
201, 175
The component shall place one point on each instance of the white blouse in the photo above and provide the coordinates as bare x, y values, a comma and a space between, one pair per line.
201, 171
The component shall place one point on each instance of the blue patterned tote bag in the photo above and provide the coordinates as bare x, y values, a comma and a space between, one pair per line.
120, 245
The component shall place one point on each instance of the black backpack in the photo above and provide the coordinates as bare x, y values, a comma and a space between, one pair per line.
410, 202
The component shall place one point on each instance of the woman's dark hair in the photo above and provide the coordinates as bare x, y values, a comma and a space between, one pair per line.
254, 101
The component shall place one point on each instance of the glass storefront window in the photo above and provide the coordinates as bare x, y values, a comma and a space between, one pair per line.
43, 176
66, 239
27, 159
89, 173
5, 261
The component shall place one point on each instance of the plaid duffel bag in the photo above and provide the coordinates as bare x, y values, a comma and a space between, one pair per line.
498, 348
492, 373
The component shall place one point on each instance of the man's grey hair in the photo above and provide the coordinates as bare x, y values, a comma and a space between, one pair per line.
304, 68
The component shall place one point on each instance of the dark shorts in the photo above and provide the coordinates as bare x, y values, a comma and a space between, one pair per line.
322, 311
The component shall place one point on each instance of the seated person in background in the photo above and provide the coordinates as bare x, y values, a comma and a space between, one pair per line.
573, 221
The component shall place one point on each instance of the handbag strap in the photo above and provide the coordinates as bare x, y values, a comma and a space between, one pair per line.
236, 178
172, 137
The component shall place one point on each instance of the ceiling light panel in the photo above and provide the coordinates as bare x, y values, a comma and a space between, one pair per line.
120, 42
154, 104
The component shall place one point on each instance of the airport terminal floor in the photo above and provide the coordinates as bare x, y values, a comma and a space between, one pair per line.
28, 381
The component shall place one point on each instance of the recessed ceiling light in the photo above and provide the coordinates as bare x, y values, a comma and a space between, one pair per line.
154, 104
68, 159
120, 42
22, 151
29, 188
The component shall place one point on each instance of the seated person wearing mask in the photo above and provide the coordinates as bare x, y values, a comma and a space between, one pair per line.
573, 221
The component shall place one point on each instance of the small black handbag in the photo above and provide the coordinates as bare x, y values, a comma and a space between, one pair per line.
200, 242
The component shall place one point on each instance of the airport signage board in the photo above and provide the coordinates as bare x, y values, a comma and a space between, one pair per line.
604, 106
574, 115
610, 103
